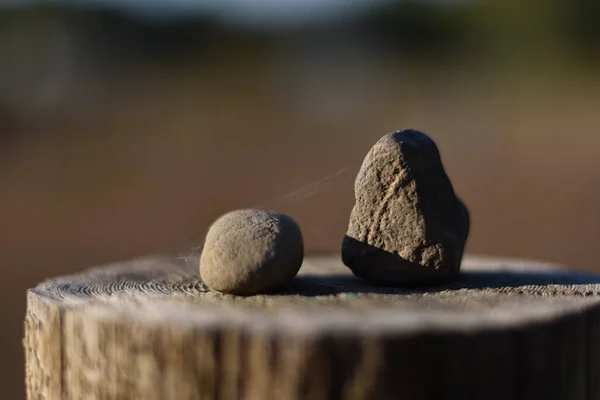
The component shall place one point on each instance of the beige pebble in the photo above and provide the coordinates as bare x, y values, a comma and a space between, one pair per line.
251, 251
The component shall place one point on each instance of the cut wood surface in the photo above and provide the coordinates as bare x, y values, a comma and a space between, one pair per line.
149, 329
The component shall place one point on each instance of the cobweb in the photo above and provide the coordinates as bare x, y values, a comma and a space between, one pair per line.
309, 190
329, 181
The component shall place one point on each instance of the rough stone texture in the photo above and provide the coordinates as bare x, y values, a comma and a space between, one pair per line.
150, 329
407, 226
251, 251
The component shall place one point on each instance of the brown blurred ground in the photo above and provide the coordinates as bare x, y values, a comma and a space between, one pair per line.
109, 165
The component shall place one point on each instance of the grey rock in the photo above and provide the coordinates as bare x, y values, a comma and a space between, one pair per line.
407, 226
251, 251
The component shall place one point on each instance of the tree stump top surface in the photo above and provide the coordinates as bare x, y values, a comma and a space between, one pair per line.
325, 296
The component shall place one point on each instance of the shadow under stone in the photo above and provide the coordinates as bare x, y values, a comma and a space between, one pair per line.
363, 257
323, 285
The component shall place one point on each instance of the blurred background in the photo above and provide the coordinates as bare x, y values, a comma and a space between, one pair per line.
127, 126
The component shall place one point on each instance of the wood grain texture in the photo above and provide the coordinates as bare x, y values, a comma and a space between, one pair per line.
149, 329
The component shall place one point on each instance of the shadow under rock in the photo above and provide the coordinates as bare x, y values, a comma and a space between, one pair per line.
323, 285
483, 278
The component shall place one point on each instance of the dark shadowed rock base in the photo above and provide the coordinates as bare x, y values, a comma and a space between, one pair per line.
383, 268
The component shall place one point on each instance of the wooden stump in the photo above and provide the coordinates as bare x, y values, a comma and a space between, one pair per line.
149, 329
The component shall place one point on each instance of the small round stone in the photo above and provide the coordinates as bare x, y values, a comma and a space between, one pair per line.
251, 251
